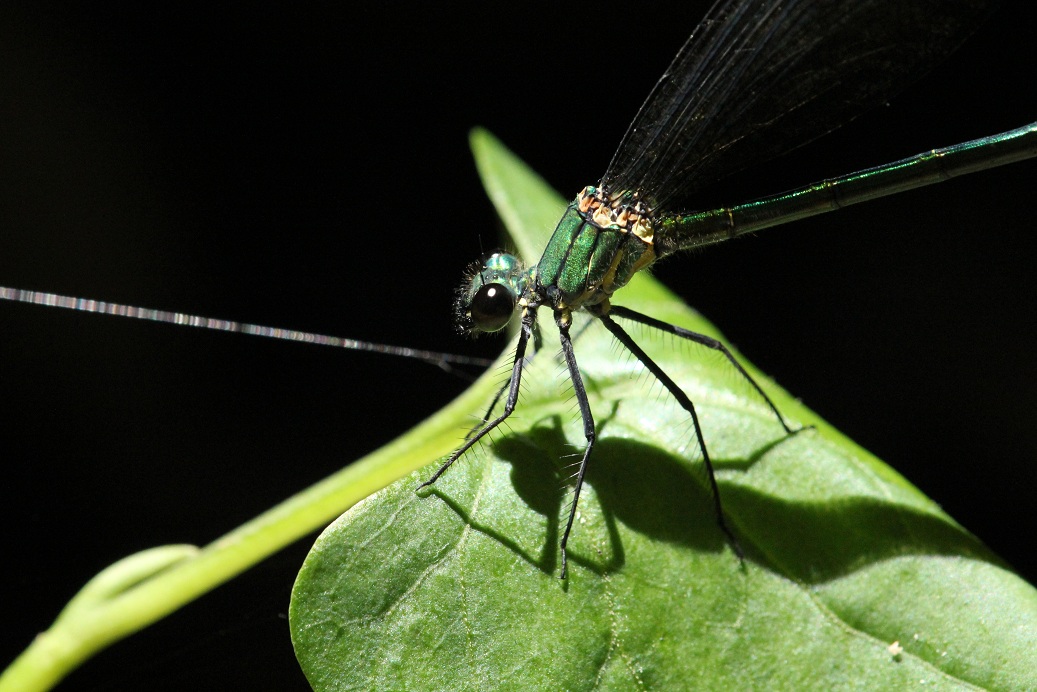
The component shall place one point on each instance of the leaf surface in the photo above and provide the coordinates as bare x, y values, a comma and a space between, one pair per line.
459, 588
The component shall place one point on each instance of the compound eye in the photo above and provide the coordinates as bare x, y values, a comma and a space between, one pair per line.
492, 307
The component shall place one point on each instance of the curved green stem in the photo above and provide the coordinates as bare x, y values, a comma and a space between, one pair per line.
143, 588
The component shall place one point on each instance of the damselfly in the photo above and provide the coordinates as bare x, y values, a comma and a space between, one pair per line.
319, 173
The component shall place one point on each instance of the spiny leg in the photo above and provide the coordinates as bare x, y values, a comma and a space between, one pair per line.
685, 403
588, 430
708, 342
506, 386
509, 405
538, 344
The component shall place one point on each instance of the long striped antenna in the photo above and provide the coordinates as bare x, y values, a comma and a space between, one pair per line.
445, 361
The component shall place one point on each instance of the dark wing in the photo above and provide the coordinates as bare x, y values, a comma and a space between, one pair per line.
758, 78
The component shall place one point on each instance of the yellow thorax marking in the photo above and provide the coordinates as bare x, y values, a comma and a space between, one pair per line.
616, 212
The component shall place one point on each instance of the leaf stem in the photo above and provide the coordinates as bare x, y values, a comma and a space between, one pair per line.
143, 588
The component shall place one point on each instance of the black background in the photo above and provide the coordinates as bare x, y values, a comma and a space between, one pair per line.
307, 167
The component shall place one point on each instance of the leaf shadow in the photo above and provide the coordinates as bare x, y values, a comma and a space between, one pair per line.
817, 541
532, 486
658, 496
653, 493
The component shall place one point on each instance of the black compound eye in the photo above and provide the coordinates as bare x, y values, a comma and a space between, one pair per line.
492, 307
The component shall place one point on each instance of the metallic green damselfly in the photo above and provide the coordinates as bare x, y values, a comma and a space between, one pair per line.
745, 87
399, 319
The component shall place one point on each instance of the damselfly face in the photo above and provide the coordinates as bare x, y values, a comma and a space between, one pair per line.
264, 169
487, 299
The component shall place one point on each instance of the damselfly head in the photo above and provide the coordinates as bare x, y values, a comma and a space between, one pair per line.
486, 301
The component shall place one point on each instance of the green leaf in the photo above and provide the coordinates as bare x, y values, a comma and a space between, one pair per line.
459, 589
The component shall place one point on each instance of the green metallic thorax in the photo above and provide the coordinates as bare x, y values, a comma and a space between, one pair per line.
590, 255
